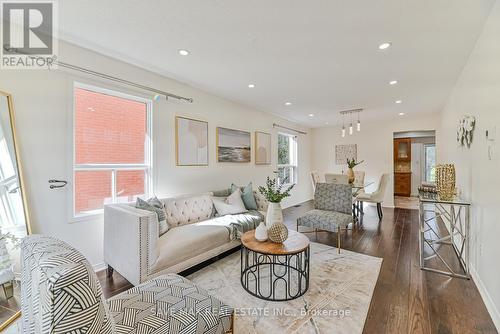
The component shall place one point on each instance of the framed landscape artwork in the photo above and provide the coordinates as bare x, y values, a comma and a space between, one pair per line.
262, 148
191, 138
344, 152
233, 145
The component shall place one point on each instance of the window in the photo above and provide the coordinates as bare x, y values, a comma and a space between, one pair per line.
430, 162
287, 158
112, 149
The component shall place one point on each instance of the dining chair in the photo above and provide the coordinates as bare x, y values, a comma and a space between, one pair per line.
377, 196
359, 181
315, 178
336, 178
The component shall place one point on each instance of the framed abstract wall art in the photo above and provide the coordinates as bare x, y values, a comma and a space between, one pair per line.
344, 152
191, 141
262, 148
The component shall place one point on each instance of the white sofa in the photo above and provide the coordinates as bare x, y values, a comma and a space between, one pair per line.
133, 247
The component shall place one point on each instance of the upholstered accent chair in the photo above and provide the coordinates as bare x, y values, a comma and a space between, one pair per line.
332, 209
336, 178
60, 293
377, 196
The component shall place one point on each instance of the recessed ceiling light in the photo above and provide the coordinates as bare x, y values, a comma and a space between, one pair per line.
183, 52
393, 82
288, 103
398, 101
251, 86
384, 46
311, 115
401, 114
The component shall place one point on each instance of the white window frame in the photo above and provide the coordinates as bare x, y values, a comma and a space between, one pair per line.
114, 168
293, 156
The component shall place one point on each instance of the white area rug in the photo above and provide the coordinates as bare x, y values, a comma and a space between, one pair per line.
340, 290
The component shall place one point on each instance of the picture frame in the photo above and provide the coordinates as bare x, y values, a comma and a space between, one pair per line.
191, 142
344, 152
233, 146
263, 148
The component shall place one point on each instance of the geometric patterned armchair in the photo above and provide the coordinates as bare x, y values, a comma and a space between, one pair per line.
60, 293
332, 209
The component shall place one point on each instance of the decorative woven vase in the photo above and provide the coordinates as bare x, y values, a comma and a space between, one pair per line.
278, 233
445, 181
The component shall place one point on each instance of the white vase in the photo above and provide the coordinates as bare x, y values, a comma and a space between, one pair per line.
261, 232
274, 214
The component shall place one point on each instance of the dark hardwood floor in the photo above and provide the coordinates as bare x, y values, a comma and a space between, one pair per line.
406, 299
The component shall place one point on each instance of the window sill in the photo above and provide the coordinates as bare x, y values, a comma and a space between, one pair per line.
86, 217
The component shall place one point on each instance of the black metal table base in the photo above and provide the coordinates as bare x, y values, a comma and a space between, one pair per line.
275, 277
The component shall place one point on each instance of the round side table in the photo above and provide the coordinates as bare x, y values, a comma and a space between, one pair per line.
272, 271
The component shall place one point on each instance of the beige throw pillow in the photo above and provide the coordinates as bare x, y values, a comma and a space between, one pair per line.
231, 205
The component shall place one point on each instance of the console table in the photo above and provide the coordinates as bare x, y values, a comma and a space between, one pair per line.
273, 271
455, 214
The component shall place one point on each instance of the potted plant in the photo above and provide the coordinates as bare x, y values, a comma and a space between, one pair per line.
351, 163
274, 194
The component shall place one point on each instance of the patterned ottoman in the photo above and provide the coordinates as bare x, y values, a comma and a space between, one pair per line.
169, 304
60, 293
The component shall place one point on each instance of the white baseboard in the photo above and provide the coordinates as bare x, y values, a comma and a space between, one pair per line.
488, 301
99, 266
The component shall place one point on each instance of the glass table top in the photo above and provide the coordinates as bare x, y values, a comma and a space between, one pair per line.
434, 198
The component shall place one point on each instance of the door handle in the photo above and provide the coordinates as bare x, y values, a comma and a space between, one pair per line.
55, 184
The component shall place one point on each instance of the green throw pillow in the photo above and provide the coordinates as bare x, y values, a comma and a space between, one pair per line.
154, 205
246, 195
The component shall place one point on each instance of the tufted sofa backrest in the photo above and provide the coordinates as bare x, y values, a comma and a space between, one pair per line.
189, 209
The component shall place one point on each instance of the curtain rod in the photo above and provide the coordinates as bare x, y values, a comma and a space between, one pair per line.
275, 125
122, 81
109, 77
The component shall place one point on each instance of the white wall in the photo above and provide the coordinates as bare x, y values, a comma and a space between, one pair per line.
43, 106
375, 146
477, 93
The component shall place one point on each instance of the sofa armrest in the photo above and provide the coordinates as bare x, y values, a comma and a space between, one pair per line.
130, 241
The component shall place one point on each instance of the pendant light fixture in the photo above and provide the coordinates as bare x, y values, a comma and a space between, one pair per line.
350, 127
350, 112
359, 124
343, 125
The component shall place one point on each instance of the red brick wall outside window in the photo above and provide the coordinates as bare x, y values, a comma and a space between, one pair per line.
108, 130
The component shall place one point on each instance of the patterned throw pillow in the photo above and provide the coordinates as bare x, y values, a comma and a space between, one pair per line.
154, 205
247, 196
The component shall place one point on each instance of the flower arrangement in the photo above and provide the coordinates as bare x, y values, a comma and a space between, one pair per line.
274, 193
351, 163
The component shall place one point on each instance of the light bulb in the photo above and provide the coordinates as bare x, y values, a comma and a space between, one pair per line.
350, 129
359, 126
343, 131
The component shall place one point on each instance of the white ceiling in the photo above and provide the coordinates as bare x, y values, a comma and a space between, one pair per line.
322, 55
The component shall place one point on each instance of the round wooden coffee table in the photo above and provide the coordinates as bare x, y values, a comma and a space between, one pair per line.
272, 271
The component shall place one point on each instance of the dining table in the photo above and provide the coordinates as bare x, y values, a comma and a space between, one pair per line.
356, 189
